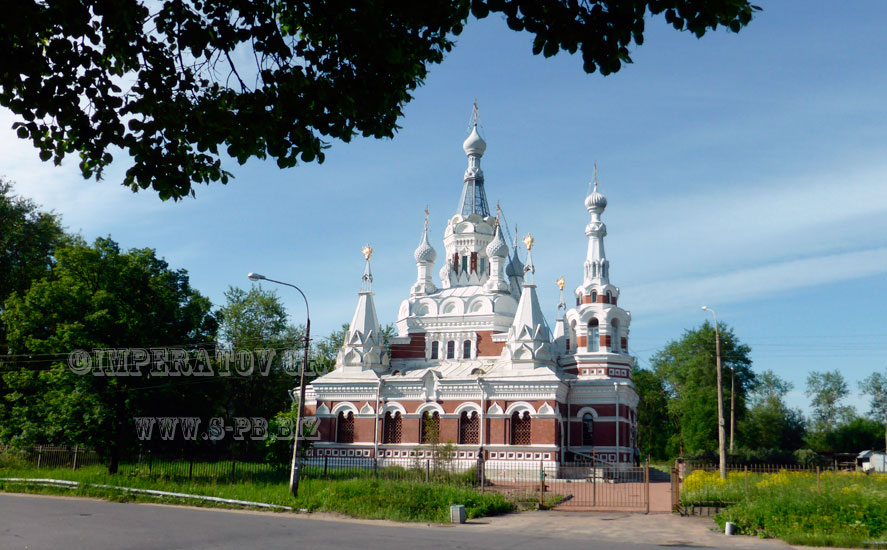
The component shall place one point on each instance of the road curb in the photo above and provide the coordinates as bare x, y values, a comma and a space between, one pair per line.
150, 492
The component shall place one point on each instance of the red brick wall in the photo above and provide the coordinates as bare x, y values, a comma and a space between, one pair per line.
414, 350
582, 342
485, 345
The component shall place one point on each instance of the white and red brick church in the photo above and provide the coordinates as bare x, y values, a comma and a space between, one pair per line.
475, 362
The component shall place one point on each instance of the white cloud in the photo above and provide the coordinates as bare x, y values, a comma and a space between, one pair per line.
748, 284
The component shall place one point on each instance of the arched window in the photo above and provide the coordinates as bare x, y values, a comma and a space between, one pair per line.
587, 429
430, 429
520, 428
434, 349
451, 349
466, 349
465, 264
609, 297
594, 335
593, 296
391, 427
469, 428
345, 427
483, 266
615, 336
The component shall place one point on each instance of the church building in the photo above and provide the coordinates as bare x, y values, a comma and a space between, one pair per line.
474, 361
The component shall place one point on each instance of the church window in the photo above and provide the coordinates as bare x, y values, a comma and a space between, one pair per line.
456, 262
345, 427
594, 335
474, 262
520, 428
430, 429
451, 350
391, 428
469, 428
593, 297
587, 429
464, 263
609, 297
483, 267
434, 350
568, 343
466, 349
615, 337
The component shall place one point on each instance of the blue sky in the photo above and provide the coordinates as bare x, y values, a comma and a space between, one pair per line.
746, 172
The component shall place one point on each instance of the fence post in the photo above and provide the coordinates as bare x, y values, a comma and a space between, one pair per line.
647, 482
427, 469
325, 460
190, 468
39, 455
593, 482
818, 479
541, 484
746, 482
76, 448
233, 467
150, 461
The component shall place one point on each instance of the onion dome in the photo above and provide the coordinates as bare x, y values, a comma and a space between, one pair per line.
425, 253
595, 202
497, 247
474, 144
515, 267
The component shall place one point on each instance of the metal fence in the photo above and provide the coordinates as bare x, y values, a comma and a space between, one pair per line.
50, 457
575, 485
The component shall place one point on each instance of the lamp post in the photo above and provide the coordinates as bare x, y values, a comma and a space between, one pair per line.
721, 451
297, 446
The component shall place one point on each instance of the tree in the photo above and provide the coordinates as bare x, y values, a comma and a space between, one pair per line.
656, 425
828, 389
175, 84
771, 425
253, 325
687, 369
875, 386
28, 238
98, 297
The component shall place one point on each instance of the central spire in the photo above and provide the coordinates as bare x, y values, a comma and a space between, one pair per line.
474, 199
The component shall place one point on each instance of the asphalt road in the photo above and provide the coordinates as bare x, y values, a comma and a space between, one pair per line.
40, 522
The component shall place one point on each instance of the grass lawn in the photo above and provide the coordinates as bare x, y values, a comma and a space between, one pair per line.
837, 509
361, 497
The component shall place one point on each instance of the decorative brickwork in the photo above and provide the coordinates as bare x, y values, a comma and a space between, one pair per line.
469, 428
392, 428
521, 431
430, 428
345, 427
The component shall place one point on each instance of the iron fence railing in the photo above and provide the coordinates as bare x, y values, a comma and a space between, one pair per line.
548, 483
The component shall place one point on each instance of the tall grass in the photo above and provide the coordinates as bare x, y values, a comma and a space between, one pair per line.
829, 509
362, 495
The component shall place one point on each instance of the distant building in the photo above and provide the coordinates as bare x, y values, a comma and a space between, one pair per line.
872, 461
475, 362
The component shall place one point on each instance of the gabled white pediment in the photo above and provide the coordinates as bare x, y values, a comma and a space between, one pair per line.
495, 409
366, 409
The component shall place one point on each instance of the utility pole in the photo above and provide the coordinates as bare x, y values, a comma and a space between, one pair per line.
721, 435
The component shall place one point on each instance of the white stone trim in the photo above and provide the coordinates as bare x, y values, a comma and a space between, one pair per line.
466, 407
434, 407
345, 405
581, 412
520, 406
392, 406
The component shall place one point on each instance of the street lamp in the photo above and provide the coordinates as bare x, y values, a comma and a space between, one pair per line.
297, 446
721, 452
